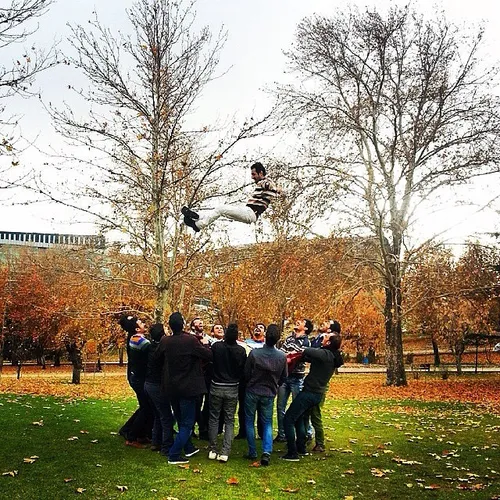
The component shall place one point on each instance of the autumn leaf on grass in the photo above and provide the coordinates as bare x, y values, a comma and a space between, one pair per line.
10, 473
84, 432
197, 471
183, 466
254, 464
290, 490
73, 438
80, 490
29, 460
349, 471
311, 481
232, 481
432, 487
68, 480
377, 473
94, 441
39, 424
121, 488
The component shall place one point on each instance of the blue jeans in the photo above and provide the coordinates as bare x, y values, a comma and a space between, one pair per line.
185, 414
222, 399
297, 418
291, 385
163, 427
264, 406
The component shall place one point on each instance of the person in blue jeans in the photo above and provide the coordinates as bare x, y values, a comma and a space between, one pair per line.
324, 361
184, 382
265, 370
294, 343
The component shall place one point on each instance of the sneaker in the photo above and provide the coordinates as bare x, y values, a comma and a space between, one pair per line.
289, 457
189, 213
178, 461
250, 457
212, 455
192, 453
280, 439
265, 459
135, 444
319, 448
304, 453
190, 223
222, 458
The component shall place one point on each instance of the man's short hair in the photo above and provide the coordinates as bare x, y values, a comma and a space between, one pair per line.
176, 322
156, 331
272, 335
231, 335
335, 343
192, 322
259, 168
128, 323
335, 327
261, 324
308, 325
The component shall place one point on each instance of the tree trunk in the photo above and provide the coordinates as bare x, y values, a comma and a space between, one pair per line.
435, 348
459, 349
396, 374
57, 358
18, 370
75, 356
121, 351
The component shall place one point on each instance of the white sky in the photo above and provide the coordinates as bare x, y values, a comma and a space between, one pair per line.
258, 32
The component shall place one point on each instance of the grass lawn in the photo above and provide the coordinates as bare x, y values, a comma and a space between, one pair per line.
376, 449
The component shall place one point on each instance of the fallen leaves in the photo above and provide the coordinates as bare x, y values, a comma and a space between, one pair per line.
290, 490
121, 488
233, 481
11, 473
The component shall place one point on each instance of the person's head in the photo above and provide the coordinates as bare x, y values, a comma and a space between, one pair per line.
329, 326
335, 327
132, 324
331, 341
156, 332
197, 325
303, 327
259, 332
176, 322
231, 335
258, 172
217, 331
272, 335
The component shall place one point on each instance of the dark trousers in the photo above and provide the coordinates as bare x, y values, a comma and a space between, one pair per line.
185, 414
297, 418
163, 427
141, 423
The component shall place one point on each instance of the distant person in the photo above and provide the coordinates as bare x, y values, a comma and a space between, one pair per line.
265, 370
323, 363
228, 367
265, 191
184, 382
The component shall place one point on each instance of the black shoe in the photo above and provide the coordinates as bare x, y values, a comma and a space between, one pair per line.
190, 223
265, 459
178, 461
289, 457
250, 457
279, 439
303, 453
189, 213
204, 436
191, 453
240, 436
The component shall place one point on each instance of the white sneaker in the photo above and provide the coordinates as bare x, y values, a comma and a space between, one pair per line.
212, 455
222, 458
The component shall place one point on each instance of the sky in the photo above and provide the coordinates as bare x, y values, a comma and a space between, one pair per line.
252, 60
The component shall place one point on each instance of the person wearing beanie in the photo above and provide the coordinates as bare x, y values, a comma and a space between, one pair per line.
228, 365
293, 345
324, 361
163, 427
182, 355
265, 370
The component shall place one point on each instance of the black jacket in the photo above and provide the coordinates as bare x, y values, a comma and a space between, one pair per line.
182, 356
228, 363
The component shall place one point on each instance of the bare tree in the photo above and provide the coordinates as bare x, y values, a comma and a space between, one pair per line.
149, 160
396, 107
16, 27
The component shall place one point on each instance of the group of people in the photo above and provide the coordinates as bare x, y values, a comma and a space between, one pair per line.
189, 377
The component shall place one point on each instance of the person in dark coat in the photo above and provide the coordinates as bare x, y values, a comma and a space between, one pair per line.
184, 382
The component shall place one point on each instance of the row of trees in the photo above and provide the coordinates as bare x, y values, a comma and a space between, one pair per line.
55, 300
388, 109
